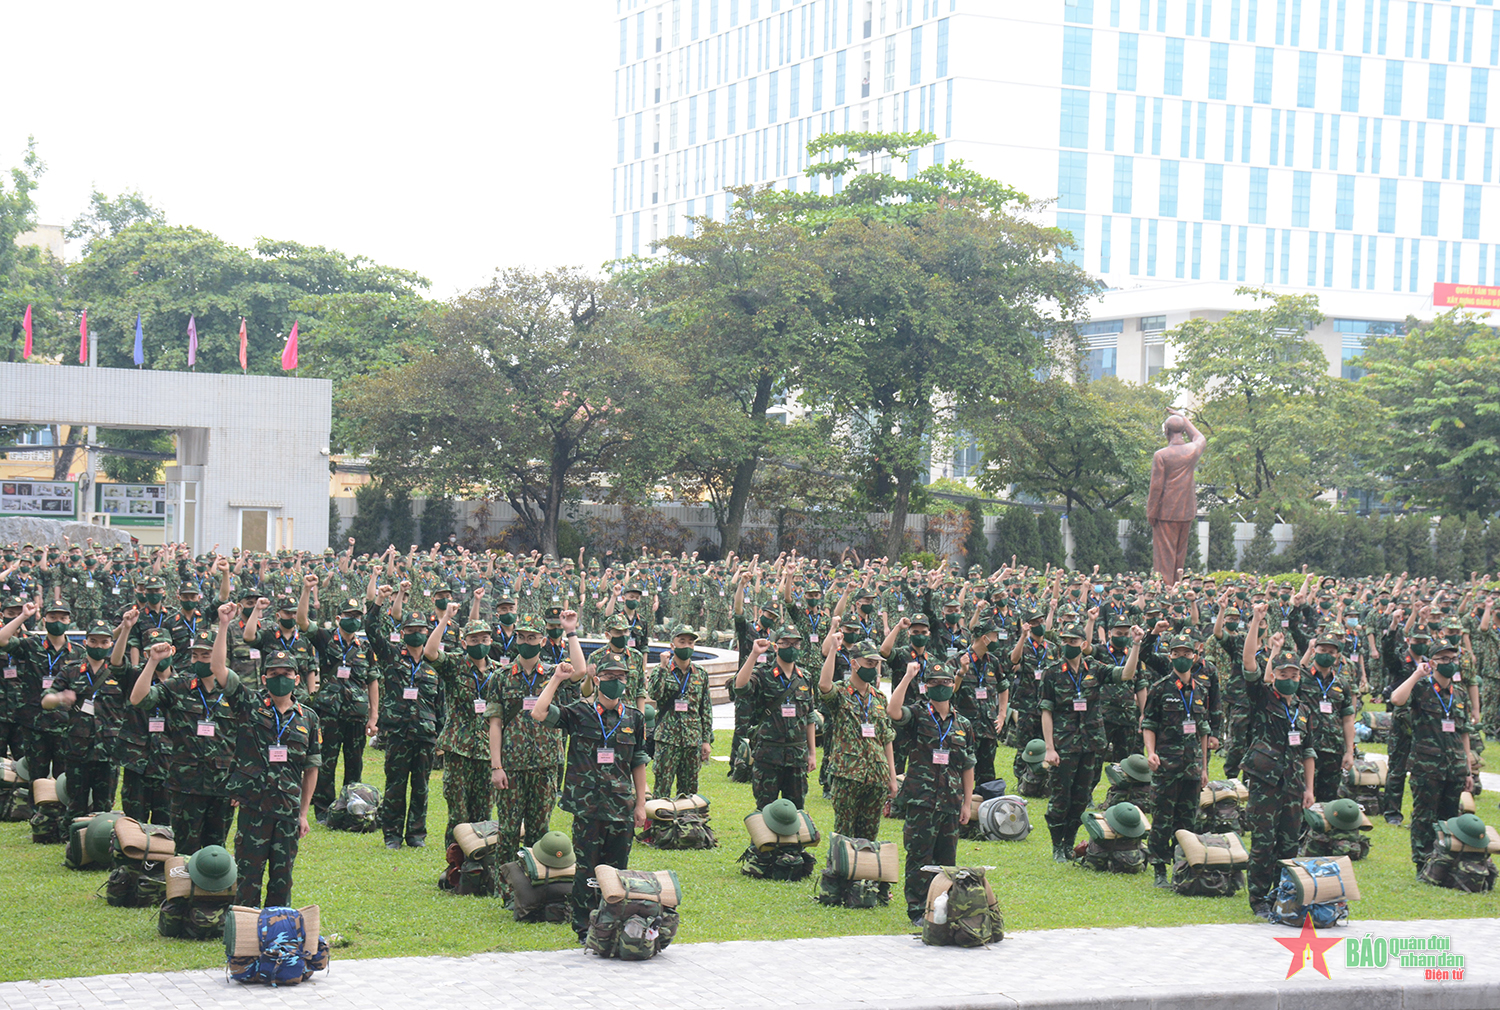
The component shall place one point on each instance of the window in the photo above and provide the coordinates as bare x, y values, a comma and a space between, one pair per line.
1301, 199
890, 64
1077, 55
1129, 58
1387, 205
817, 85
916, 55
620, 142
1109, 122
731, 109
1105, 228
1218, 71
1430, 194
1072, 180
1259, 179
1343, 212
1471, 212
1123, 176
713, 114
1172, 80
1437, 90
1155, 359
1213, 192
1075, 119
839, 66
639, 126
941, 66
1264, 59
624, 30
1479, 91
1351, 84
1073, 224
1099, 362
773, 86
1307, 80
1077, 11
794, 97
1393, 76
1168, 201
672, 127
1156, 107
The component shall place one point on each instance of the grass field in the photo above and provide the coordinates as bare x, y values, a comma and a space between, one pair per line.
387, 903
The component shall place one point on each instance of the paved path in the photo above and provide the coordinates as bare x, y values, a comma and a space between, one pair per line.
1224, 967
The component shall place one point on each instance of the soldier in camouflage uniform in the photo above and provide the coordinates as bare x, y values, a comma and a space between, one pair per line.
1121, 712
1400, 657
83, 587
780, 699
983, 695
939, 778
186, 622
15, 728
1030, 654
200, 738
1328, 695
618, 647
151, 614
1440, 766
464, 740
39, 660
409, 700
119, 593
277, 752
861, 760
289, 632
1175, 728
92, 696
347, 700
144, 745
605, 789
685, 717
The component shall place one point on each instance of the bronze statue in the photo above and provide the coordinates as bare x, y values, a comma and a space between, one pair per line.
1172, 505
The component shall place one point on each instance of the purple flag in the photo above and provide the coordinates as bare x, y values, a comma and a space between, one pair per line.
192, 341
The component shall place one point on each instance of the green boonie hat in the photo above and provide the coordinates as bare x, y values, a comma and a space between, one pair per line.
552, 614
61, 787
284, 603
1035, 751
782, 817
554, 850
212, 868
610, 664
203, 640
57, 607
786, 631
1467, 828
352, 606
1136, 766
478, 628
279, 659
616, 622
530, 622
681, 629
1071, 631
865, 650
1125, 819
1182, 642
100, 628
1343, 815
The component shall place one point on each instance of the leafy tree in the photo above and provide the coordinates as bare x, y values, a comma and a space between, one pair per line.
401, 525
1260, 552
1473, 552
335, 539
439, 520
1221, 551
1049, 539
368, 525
106, 218
1138, 555
30, 275
1096, 541
1438, 385
1317, 541
127, 469
976, 545
1448, 549
1016, 536
1491, 546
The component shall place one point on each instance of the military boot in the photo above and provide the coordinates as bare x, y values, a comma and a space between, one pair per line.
1161, 876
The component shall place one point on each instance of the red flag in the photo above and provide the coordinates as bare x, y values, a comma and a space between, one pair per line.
26, 325
289, 353
243, 366
83, 338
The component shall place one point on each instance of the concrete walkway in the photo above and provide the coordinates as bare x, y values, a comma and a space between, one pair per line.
1224, 967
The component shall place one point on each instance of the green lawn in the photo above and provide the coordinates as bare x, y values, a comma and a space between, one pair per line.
387, 903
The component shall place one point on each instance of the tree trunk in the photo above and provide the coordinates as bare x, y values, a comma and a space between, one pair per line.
552, 507
744, 474
897, 537
63, 461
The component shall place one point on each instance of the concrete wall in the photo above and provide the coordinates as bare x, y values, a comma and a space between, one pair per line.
253, 442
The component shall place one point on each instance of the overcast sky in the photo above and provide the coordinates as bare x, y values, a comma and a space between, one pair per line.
448, 138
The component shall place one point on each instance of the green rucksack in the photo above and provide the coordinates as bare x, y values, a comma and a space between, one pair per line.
739, 762
962, 910
357, 809
785, 862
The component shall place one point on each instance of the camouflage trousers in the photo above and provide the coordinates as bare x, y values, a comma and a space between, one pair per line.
857, 807
931, 839
264, 846
525, 809
1122, 738
339, 735
12, 740
407, 762
1434, 797
144, 797
1176, 807
1239, 729
466, 789
84, 616
984, 758
44, 754
199, 821
1398, 748
1273, 816
770, 782
1071, 786
1489, 697
1328, 770
91, 787
675, 765
743, 714
596, 842
1028, 727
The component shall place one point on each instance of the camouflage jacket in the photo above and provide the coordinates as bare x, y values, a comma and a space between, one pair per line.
781, 708
943, 749
1170, 706
200, 731
604, 750
1076, 729
684, 713
510, 696
852, 754
94, 719
465, 731
272, 750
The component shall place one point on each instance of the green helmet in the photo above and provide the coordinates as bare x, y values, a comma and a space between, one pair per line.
554, 850
781, 817
212, 868
1136, 766
61, 785
97, 835
1125, 820
1035, 751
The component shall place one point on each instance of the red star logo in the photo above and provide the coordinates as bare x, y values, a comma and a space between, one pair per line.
1307, 942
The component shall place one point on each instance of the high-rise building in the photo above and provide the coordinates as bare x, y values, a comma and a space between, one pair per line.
1340, 147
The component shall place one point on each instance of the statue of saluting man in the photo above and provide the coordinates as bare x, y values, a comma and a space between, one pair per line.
1172, 505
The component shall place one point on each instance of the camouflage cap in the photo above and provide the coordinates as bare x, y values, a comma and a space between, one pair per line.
632, 587
985, 626
864, 650
189, 587
12, 602
617, 622
284, 603
153, 635
415, 620
1285, 660
478, 628
681, 629
786, 631
610, 664
148, 582
552, 614
352, 605
849, 621
1120, 620
101, 628
1182, 642
248, 592
938, 670
57, 607
1441, 647
203, 640
864, 593
1071, 631
1328, 637
441, 588
919, 620
530, 622
281, 660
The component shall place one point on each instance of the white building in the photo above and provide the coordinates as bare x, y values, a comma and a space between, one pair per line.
1340, 147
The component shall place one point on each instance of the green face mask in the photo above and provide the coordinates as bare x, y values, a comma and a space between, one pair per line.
682, 651
279, 685
867, 608
350, 624
414, 639
1119, 643
1323, 659
617, 641
1182, 664
1447, 669
477, 651
529, 651
919, 641
788, 655
288, 623
97, 651
165, 663
939, 692
632, 604
1419, 648
152, 599
612, 689
1231, 625
850, 637
200, 670
1071, 651
506, 619
554, 633
868, 674
1287, 688
56, 627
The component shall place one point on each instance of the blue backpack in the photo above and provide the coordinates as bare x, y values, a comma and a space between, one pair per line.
270, 945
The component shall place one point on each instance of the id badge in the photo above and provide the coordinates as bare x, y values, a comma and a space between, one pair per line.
1038, 674
1449, 726
789, 711
1004, 636
605, 755
409, 693
86, 706
156, 725
1189, 728
427, 592
1294, 738
10, 673
813, 638
921, 688
87, 585
721, 593
528, 703
940, 757
206, 728
343, 673
680, 705
479, 706
395, 638
630, 642
1326, 707
867, 730
254, 653
1286, 624
981, 693
276, 755
115, 591
1080, 705
900, 608
554, 597
46, 683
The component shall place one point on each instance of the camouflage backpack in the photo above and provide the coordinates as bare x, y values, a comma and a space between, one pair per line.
788, 862
1109, 852
739, 763
962, 910
1220, 804
1469, 872
1320, 837
1032, 780
356, 809
637, 914
678, 824
1208, 865
138, 853
1365, 782
1124, 789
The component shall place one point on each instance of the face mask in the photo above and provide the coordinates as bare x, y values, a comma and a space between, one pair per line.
1119, 643
1231, 625
1351, 622
279, 685
1447, 669
349, 624
788, 654
617, 641
867, 673
287, 622
1182, 664
165, 664
56, 627
950, 618
1419, 648
631, 604
89, 563
477, 651
850, 637
97, 651
939, 692
611, 689
25, 569
507, 619
1455, 639
1286, 688
554, 633
1035, 630
1323, 659
152, 599
441, 606
1071, 651
189, 606
919, 641
867, 608
529, 651
682, 651
414, 640
200, 670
